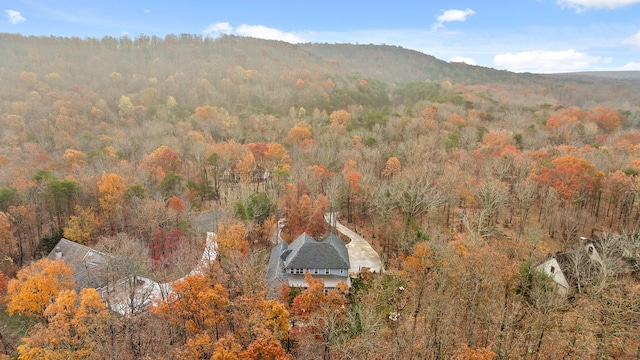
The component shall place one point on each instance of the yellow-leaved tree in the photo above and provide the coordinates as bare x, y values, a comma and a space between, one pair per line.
37, 285
82, 227
112, 188
73, 328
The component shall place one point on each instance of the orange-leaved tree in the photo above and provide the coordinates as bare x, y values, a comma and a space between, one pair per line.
73, 328
298, 133
6, 235
277, 161
339, 120
161, 161
196, 306
353, 177
320, 174
311, 299
288, 204
571, 177
232, 240
37, 285
608, 119
392, 167
263, 349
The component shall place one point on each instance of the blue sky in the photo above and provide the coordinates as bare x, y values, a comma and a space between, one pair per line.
543, 36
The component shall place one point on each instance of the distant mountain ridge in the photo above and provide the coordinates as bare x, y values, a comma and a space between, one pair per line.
392, 64
271, 74
626, 75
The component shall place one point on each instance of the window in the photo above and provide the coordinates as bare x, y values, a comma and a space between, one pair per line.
326, 271
552, 269
590, 250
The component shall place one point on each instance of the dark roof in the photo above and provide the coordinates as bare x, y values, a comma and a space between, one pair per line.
307, 253
89, 265
275, 275
339, 245
577, 267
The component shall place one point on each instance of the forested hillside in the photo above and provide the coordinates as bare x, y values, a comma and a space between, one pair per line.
463, 178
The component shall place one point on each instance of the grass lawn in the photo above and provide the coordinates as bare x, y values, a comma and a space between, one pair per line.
12, 329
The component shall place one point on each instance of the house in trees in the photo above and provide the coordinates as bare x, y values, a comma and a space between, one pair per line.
90, 265
124, 293
570, 271
552, 268
327, 259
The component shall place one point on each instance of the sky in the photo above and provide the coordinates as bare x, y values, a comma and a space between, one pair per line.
539, 36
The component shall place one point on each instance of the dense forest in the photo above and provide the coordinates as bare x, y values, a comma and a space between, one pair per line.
463, 178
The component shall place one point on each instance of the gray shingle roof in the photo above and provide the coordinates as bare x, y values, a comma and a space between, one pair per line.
307, 253
89, 265
275, 275
339, 245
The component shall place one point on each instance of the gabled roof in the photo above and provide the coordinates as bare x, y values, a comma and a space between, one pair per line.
307, 253
573, 269
339, 245
89, 264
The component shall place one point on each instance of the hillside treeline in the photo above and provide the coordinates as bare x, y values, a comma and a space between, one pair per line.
463, 179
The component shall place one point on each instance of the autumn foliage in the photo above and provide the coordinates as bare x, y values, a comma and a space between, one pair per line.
463, 179
72, 330
571, 177
38, 285
302, 214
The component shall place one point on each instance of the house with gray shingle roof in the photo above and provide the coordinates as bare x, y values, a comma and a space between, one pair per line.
125, 293
327, 259
90, 266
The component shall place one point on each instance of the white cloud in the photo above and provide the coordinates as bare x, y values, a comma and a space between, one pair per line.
466, 60
14, 17
635, 66
547, 61
455, 15
452, 15
581, 5
257, 31
218, 28
633, 40
263, 32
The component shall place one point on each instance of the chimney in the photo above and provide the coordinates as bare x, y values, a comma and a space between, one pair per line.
58, 253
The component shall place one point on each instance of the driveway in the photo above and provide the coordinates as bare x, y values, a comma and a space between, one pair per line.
361, 254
